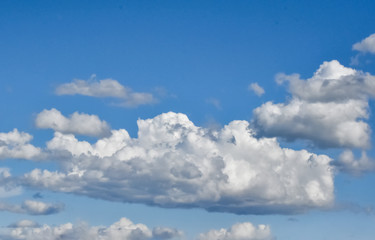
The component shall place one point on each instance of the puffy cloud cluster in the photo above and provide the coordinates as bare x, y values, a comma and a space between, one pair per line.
32, 208
124, 229
174, 163
16, 144
347, 163
239, 231
329, 109
77, 123
367, 45
105, 88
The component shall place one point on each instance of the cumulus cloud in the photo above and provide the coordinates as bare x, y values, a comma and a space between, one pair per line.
106, 88
174, 163
32, 207
258, 90
367, 45
347, 163
239, 231
329, 109
16, 144
124, 229
77, 123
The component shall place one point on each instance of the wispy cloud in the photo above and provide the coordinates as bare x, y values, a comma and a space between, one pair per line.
258, 90
106, 88
32, 207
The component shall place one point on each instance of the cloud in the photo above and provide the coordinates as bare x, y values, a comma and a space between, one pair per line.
347, 163
124, 229
106, 88
215, 102
15, 144
77, 123
239, 231
32, 208
258, 90
367, 45
329, 109
7, 187
174, 163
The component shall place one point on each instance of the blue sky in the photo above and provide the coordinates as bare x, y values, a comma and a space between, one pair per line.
161, 85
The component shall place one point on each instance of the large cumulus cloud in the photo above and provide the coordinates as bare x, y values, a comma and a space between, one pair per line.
329, 108
174, 163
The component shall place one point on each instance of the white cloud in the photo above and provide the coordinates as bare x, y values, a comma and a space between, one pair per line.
239, 231
258, 90
329, 109
347, 163
174, 163
124, 229
77, 123
367, 45
32, 207
106, 88
15, 144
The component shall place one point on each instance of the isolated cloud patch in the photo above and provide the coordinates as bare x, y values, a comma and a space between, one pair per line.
258, 90
106, 88
239, 231
349, 164
367, 45
124, 229
32, 207
329, 109
16, 144
77, 123
174, 163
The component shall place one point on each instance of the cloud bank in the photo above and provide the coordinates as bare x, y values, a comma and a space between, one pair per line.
328, 109
105, 88
124, 229
174, 163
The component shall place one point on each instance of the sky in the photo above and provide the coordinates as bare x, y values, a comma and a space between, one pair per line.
192, 120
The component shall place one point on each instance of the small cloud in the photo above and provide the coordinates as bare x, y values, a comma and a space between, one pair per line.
32, 207
215, 102
77, 123
24, 224
348, 164
258, 90
367, 45
239, 231
106, 88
